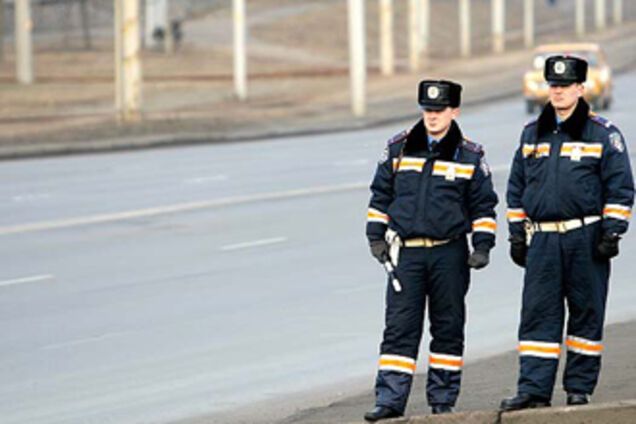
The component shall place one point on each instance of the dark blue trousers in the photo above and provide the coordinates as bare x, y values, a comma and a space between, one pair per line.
562, 269
441, 276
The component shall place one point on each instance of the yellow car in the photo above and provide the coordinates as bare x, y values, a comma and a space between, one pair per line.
598, 87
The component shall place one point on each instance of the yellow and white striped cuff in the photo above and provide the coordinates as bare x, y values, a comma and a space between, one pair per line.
486, 225
397, 363
445, 362
584, 346
374, 215
516, 215
545, 350
613, 210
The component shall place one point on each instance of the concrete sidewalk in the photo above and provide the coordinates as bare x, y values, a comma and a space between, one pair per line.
487, 381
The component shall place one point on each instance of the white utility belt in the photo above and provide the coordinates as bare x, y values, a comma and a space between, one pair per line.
396, 243
561, 226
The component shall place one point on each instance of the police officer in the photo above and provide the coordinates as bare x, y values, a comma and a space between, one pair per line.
570, 194
431, 187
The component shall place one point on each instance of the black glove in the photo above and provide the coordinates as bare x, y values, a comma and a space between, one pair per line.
379, 250
479, 259
608, 247
518, 249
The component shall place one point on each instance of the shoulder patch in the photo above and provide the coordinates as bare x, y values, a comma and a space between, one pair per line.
472, 146
398, 137
616, 141
600, 120
484, 166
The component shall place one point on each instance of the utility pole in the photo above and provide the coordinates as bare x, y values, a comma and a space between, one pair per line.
618, 12
425, 25
387, 62
528, 23
599, 14
128, 77
23, 42
580, 18
464, 28
240, 59
498, 26
1, 30
357, 57
414, 35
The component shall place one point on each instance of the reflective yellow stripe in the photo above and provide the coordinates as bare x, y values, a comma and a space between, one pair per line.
544, 350
515, 215
447, 362
374, 215
617, 211
485, 224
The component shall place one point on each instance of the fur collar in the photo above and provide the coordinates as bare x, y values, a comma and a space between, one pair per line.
417, 141
573, 125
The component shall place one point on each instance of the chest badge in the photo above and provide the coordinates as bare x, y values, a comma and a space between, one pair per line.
576, 154
451, 174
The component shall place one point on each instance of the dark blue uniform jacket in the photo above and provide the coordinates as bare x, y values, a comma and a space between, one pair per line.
440, 194
574, 169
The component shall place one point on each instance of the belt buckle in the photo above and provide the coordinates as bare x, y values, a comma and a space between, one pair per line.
561, 227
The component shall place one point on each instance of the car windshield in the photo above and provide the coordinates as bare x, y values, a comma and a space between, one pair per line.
591, 57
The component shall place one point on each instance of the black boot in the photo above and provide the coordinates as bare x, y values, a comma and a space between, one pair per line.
381, 413
441, 408
523, 401
578, 399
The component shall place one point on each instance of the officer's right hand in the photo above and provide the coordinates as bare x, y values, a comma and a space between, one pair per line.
518, 249
379, 250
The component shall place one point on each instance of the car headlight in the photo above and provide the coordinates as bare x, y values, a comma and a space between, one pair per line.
605, 75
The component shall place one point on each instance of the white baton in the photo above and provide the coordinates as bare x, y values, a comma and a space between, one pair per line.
391, 272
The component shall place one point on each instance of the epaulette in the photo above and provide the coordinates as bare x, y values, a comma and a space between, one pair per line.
600, 120
398, 137
472, 146
530, 122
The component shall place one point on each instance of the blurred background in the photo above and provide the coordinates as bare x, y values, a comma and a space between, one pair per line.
297, 58
227, 279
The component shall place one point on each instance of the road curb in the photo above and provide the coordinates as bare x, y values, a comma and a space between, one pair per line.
621, 412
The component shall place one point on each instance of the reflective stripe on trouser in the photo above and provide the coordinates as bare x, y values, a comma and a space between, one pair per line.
562, 268
440, 274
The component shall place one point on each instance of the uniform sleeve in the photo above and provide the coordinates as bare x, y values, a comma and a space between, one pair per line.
482, 200
381, 198
515, 214
618, 184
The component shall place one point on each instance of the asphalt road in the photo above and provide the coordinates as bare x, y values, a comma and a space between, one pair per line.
168, 284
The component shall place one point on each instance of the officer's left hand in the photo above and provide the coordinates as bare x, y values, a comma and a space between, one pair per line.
608, 247
479, 259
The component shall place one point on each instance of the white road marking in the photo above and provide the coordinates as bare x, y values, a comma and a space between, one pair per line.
179, 207
93, 339
189, 206
202, 180
30, 197
254, 243
32, 279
